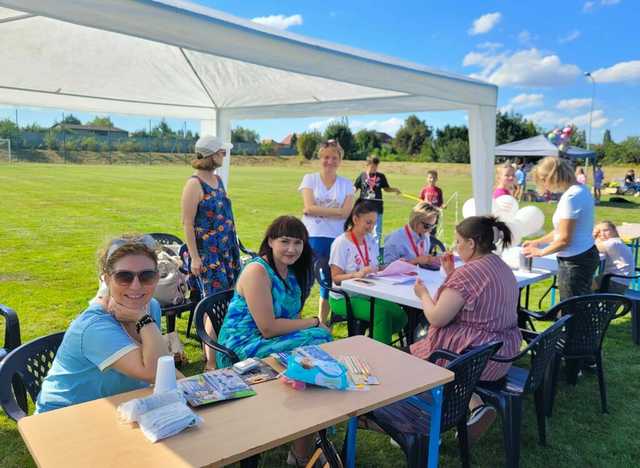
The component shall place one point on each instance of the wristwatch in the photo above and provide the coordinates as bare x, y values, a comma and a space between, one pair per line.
144, 320
317, 322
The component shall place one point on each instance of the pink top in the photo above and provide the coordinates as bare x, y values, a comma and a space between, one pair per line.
499, 191
490, 294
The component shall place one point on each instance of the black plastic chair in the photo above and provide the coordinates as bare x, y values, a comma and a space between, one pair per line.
631, 294
11, 330
322, 273
585, 334
408, 424
30, 363
215, 307
437, 247
167, 240
245, 250
507, 395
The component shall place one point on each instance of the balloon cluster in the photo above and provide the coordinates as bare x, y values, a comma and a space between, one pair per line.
522, 222
561, 137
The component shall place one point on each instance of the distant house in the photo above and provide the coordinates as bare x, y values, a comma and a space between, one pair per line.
93, 130
286, 142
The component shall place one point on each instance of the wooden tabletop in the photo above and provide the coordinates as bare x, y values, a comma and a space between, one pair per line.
89, 434
629, 231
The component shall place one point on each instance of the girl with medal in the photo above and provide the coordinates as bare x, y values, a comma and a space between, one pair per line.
354, 254
411, 242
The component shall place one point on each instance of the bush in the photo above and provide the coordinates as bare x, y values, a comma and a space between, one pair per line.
308, 143
267, 148
454, 151
128, 146
50, 141
89, 144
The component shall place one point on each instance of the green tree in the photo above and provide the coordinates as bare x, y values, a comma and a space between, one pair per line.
606, 139
162, 130
71, 120
307, 143
428, 151
8, 129
268, 148
244, 135
34, 127
340, 131
366, 142
454, 151
513, 127
89, 144
412, 135
294, 141
452, 132
101, 122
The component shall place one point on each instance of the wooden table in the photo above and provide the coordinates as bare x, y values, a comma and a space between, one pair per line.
89, 435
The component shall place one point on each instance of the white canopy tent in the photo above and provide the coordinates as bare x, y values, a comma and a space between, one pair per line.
176, 59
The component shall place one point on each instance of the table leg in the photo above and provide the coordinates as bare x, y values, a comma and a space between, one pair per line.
526, 297
434, 430
350, 455
372, 309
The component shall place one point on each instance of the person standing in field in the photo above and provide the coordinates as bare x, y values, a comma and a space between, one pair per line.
209, 226
371, 183
328, 199
521, 182
431, 193
598, 179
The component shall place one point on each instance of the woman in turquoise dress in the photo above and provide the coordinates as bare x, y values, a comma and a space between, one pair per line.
264, 314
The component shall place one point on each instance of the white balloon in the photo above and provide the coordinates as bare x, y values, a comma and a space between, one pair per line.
531, 218
469, 208
516, 229
505, 207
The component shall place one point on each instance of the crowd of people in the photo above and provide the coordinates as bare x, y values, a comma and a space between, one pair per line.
113, 346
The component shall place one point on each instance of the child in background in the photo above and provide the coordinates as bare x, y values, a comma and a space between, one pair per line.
505, 181
619, 257
598, 178
521, 181
431, 193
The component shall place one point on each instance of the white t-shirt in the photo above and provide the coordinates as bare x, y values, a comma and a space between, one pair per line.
576, 203
333, 197
619, 259
345, 255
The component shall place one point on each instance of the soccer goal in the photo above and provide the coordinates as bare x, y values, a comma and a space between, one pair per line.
5, 150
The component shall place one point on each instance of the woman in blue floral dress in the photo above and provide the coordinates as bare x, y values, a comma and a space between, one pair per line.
264, 314
209, 226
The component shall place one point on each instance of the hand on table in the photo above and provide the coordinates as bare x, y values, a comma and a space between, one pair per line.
420, 289
447, 262
531, 251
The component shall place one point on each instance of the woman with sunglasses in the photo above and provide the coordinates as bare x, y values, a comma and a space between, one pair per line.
114, 345
328, 199
411, 242
354, 254
209, 226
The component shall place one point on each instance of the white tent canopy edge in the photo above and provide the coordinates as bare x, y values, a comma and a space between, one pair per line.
319, 78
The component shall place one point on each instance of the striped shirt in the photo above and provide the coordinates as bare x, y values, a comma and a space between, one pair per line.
490, 293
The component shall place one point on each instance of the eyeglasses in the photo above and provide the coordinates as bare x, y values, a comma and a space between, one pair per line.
427, 226
332, 142
146, 240
126, 277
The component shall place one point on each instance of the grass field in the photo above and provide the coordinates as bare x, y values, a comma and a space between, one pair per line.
54, 217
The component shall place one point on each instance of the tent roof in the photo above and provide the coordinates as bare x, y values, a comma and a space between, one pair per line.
173, 58
540, 146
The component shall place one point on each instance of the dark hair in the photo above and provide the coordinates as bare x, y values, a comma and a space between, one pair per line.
360, 207
127, 244
373, 160
433, 173
290, 226
480, 229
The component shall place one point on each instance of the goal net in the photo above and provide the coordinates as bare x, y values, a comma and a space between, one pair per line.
5, 150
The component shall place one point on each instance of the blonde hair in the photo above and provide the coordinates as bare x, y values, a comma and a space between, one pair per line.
330, 145
421, 211
128, 244
555, 173
204, 163
612, 227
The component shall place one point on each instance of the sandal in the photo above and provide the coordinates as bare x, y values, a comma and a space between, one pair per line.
480, 419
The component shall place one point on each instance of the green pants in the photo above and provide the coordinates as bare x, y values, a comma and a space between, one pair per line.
389, 318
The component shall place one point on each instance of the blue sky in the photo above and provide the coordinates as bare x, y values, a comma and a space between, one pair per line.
536, 52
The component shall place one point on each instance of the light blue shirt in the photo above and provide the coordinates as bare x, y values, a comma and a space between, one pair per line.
81, 369
397, 245
521, 177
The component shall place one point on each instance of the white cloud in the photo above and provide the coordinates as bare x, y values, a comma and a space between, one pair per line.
617, 122
572, 36
588, 7
523, 68
490, 45
526, 38
485, 23
523, 101
623, 71
279, 21
575, 103
551, 118
322, 124
389, 126
609, 2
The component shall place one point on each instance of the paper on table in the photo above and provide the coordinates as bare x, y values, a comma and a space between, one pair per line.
398, 267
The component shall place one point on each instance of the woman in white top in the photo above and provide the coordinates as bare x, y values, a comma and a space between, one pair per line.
571, 239
411, 242
619, 257
354, 254
328, 199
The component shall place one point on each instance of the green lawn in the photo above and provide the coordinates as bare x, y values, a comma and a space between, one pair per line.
54, 217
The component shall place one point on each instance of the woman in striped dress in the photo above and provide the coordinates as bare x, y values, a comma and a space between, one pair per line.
476, 304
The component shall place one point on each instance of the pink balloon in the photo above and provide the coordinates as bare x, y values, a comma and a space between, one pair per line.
567, 130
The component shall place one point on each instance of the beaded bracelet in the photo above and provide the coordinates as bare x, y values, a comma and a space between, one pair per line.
144, 320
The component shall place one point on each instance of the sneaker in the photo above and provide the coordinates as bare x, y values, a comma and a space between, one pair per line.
480, 421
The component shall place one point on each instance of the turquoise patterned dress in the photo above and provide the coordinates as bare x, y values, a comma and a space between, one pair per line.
240, 333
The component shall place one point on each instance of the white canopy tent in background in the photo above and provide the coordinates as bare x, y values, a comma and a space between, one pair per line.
177, 59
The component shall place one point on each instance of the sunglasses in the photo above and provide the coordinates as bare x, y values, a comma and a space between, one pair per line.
125, 277
428, 226
331, 142
146, 240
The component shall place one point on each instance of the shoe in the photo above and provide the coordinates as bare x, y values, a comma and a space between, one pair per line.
480, 420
